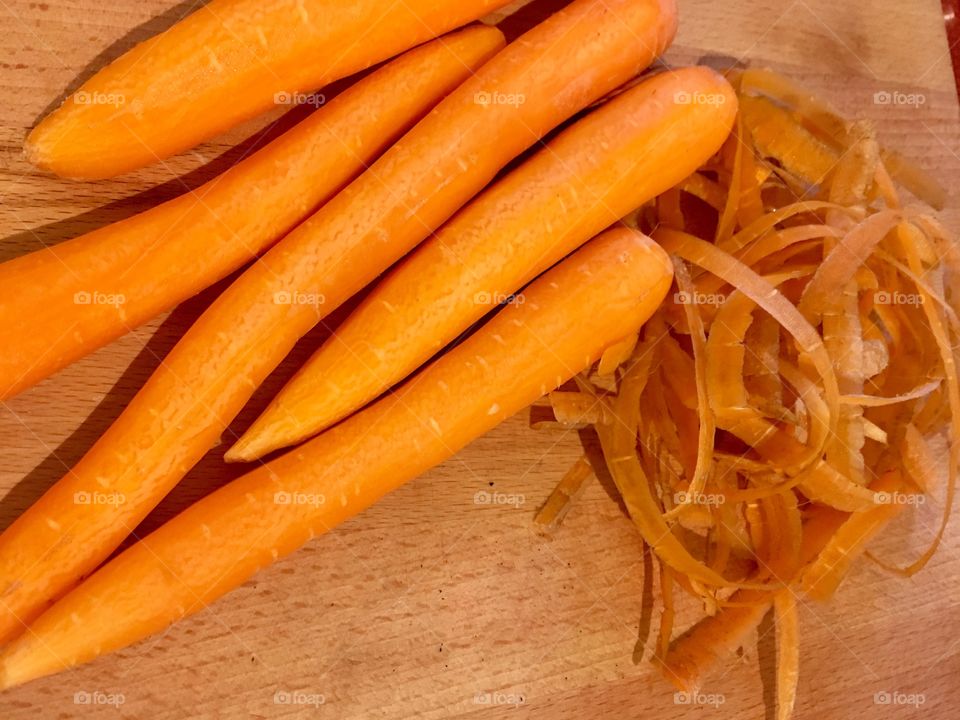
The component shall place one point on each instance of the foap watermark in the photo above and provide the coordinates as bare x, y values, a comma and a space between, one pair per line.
884, 697
295, 297
699, 98
498, 298
699, 298
498, 698
896, 97
899, 498
299, 98
299, 498
95, 297
699, 698
897, 298
484, 497
113, 499
297, 697
98, 697
486, 99
699, 498
85, 97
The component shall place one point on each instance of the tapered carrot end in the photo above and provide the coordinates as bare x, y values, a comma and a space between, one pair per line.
31, 150
244, 451
36, 148
9, 680
255, 443
10, 677
44, 149
61, 145
276, 428
31, 657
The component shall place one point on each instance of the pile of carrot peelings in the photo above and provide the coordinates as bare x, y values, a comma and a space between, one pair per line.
796, 391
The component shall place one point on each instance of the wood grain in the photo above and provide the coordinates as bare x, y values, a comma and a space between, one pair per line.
430, 601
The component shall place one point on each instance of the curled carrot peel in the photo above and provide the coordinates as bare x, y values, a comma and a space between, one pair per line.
228, 61
618, 157
70, 299
616, 281
573, 58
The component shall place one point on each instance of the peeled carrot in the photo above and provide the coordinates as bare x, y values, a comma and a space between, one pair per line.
595, 298
68, 300
637, 146
228, 61
580, 54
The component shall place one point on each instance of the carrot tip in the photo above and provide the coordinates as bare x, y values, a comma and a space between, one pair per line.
247, 449
6, 681
238, 454
31, 150
263, 437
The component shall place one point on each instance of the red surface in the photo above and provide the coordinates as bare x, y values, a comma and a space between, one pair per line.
951, 16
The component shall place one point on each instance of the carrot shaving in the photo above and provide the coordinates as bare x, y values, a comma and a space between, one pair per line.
802, 379
577, 409
615, 355
667, 616
557, 506
788, 651
698, 338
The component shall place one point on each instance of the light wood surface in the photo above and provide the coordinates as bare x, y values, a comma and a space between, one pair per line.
429, 601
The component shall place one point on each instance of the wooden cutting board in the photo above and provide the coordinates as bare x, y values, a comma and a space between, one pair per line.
434, 604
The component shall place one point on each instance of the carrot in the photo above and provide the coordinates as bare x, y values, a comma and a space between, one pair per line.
580, 54
68, 300
229, 61
611, 162
595, 298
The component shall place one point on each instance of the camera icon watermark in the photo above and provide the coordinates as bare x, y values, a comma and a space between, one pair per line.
298, 98
296, 697
897, 98
883, 297
98, 697
299, 498
296, 297
884, 697
699, 98
111, 499
699, 498
498, 298
699, 698
484, 497
85, 97
899, 498
489, 99
498, 698
699, 298
95, 297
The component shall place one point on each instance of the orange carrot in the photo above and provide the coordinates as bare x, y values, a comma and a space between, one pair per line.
580, 54
68, 300
229, 61
611, 162
597, 297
